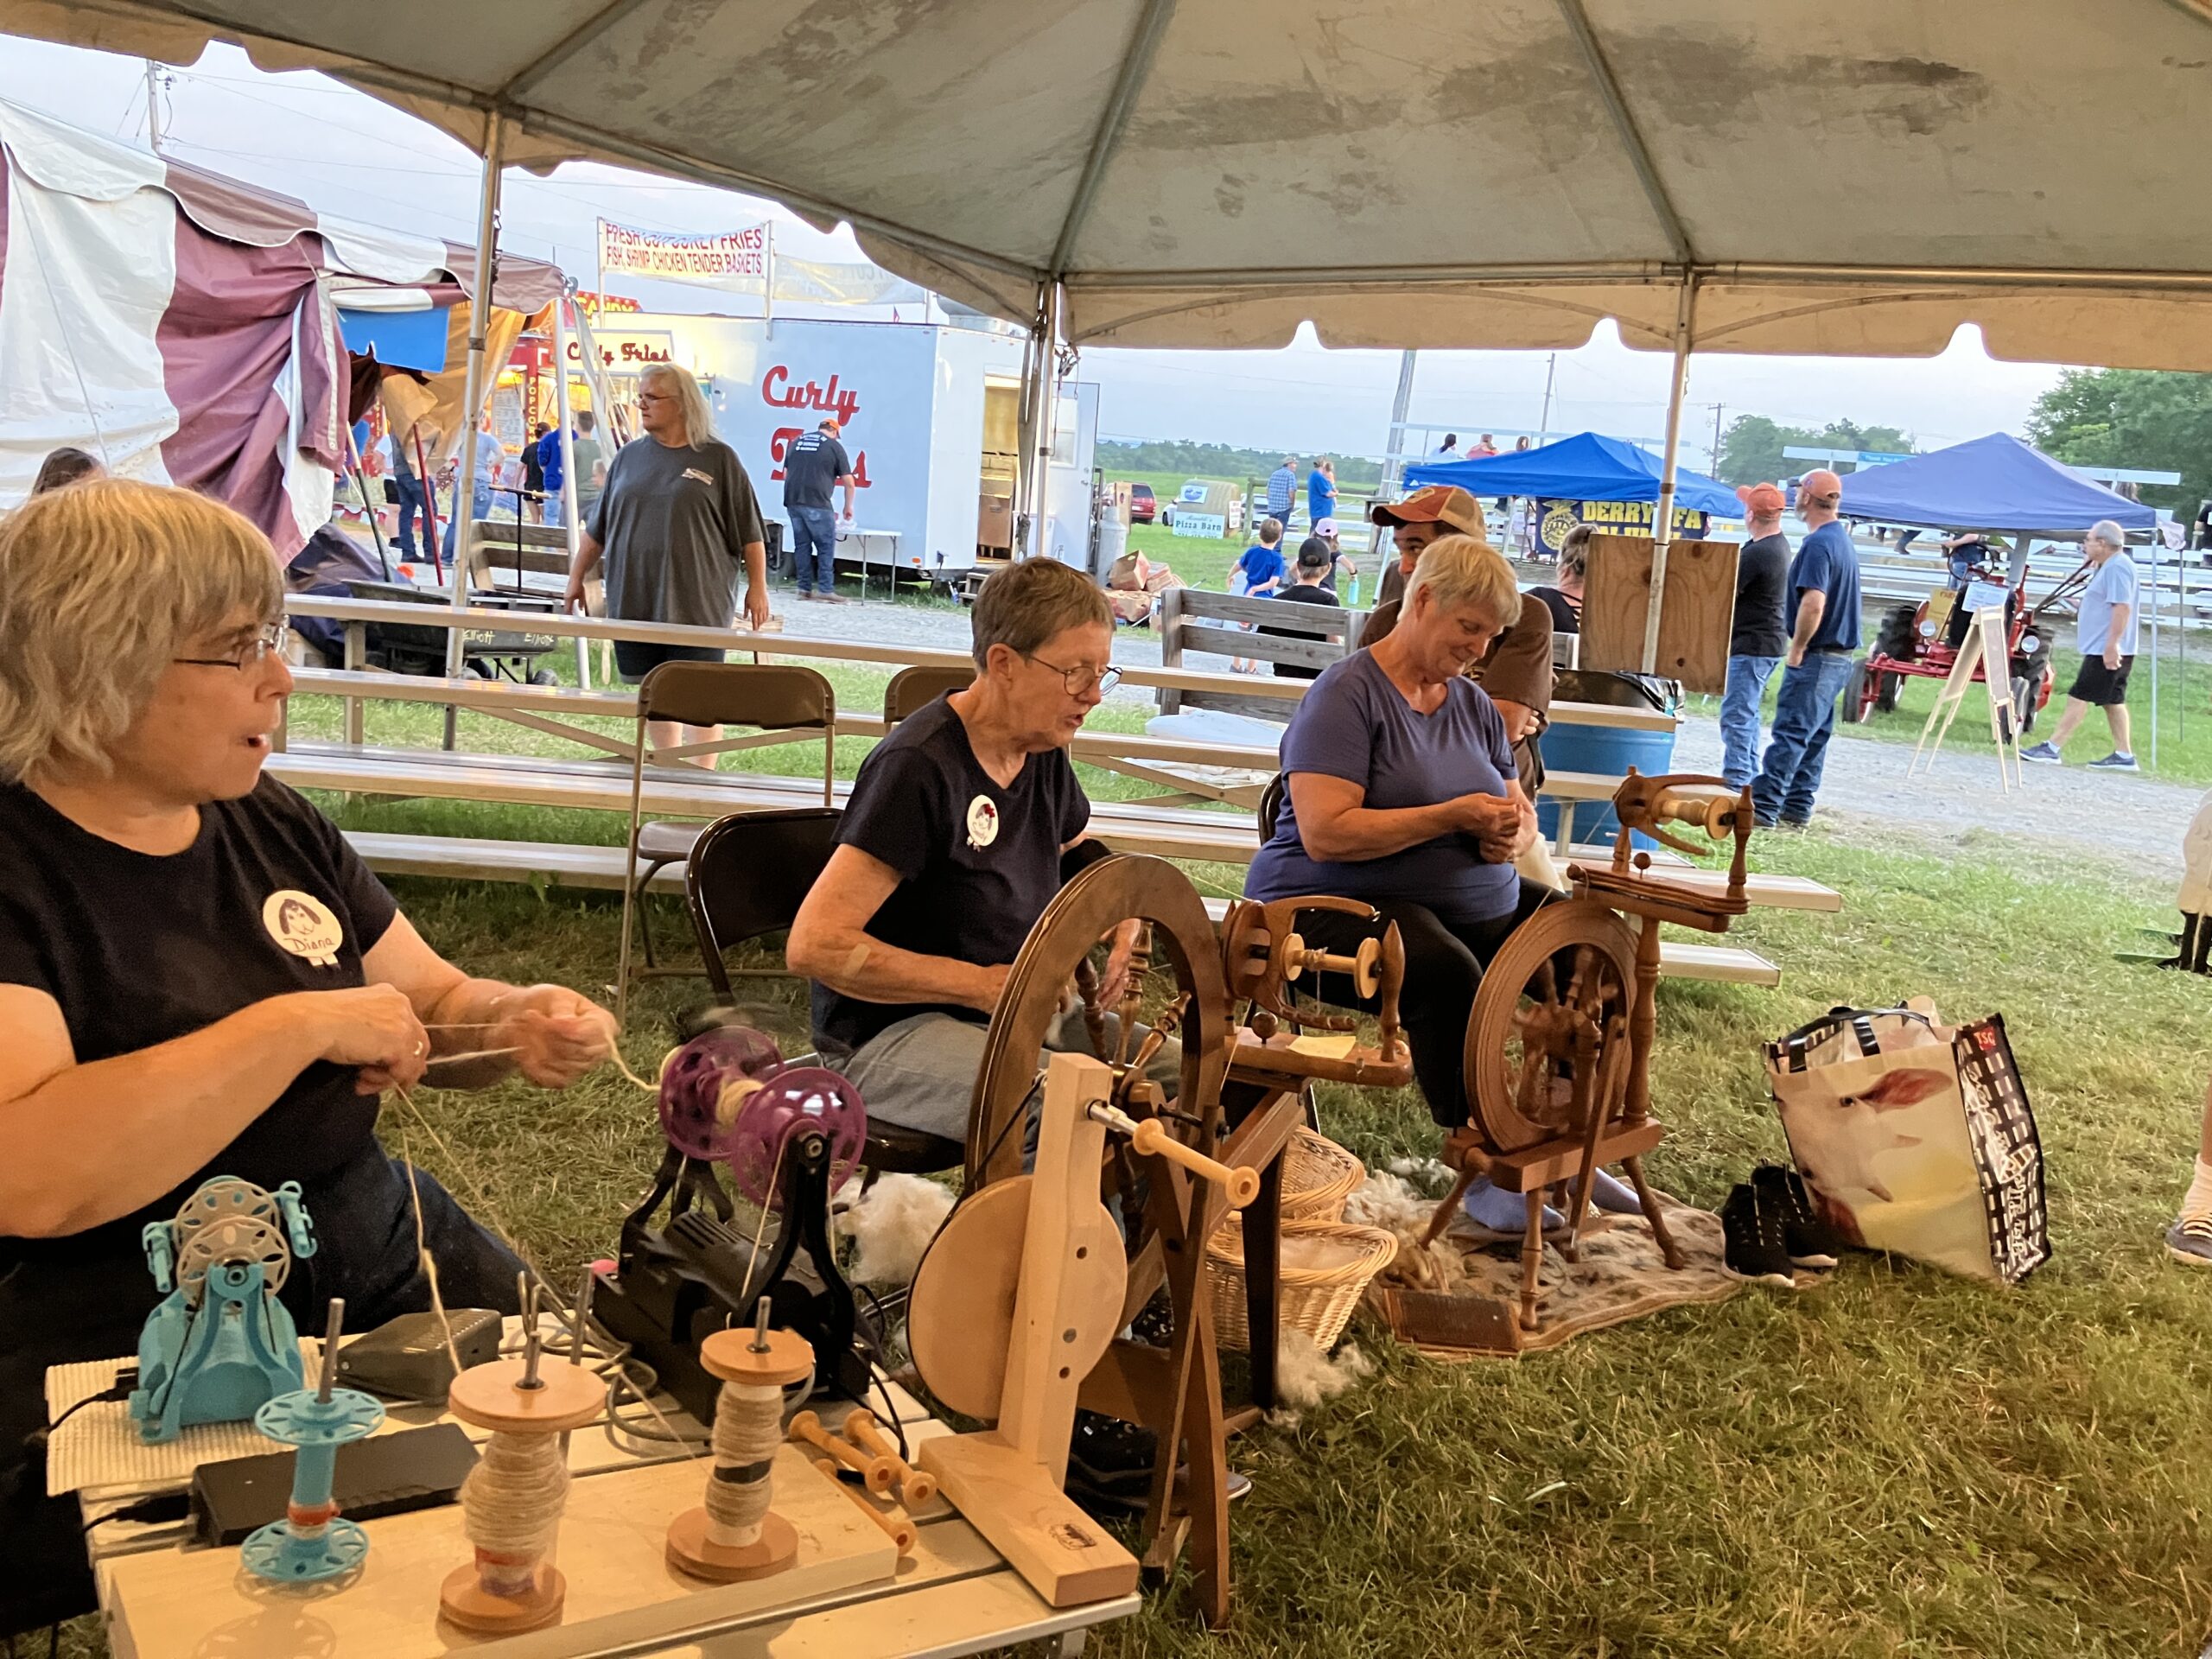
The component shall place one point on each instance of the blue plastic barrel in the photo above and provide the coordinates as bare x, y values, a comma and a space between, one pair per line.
1607, 749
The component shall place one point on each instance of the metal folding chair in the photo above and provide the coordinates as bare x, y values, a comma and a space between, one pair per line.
777, 700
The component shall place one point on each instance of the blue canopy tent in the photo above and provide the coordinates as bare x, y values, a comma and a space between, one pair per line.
1588, 466
1992, 483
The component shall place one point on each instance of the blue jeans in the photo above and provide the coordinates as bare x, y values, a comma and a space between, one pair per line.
1740, 716
409, 489
1804, 719
814, 548
483, 510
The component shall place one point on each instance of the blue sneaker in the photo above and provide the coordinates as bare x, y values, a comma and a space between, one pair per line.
2117, 760
2189, 1239
2046, 752
1495, 1210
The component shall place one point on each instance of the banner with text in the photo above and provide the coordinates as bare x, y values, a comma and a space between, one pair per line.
735, 259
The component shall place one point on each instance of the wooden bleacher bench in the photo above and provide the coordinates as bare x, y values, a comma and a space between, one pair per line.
464, 858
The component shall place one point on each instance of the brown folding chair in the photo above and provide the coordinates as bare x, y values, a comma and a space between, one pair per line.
777, 699
912, 689
746, 878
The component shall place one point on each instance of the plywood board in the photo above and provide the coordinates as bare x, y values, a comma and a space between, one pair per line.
1696, 622
172, 1605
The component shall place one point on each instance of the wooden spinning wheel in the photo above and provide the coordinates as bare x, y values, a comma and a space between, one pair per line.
1550, 1025
1167, 1214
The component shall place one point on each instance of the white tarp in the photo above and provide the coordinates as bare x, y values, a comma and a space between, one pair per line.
1856, 179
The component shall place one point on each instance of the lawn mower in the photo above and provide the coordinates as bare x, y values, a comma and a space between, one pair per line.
1923, 641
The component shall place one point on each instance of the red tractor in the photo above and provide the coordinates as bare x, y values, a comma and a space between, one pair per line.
1922, 641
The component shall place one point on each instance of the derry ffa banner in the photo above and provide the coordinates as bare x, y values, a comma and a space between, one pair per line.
733, 259
1555, 518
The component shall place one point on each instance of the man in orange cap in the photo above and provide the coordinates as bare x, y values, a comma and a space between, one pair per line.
1823, 587
1762, 631
1517, 673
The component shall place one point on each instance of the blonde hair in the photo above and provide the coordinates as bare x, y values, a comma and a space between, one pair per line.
1462, 570
101, 585
1025, 604
698, 414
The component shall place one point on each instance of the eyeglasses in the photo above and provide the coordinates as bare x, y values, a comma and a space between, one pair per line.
1080, 679
252, 654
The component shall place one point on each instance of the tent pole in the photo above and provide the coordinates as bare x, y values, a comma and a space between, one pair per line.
1401, 403
568, 459
2151, 592
1041, 391
473, 398
1662, 511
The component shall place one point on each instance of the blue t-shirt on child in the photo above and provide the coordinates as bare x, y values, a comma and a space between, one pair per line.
1355, 725
1260, 566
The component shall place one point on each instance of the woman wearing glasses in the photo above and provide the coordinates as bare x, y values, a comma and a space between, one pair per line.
198, 976
963, 825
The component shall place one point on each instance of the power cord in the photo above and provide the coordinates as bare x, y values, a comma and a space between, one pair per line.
122, 1388
150, 1511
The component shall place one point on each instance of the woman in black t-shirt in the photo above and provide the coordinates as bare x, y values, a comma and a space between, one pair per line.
1563, 598
198, 976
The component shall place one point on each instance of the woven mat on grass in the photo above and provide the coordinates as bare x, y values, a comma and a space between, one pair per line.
1461, 1298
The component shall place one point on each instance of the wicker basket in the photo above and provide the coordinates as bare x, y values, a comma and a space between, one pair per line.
1317, 1300
1318, 1176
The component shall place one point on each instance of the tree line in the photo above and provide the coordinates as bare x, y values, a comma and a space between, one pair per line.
1221, 461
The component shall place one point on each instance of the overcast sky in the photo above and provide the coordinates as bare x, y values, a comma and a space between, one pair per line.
345, 153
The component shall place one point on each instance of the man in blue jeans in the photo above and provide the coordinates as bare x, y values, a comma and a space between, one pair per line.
1762, 630
813, 464
1824, 581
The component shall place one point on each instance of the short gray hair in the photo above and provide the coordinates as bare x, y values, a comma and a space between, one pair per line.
2109, 532
1029, 601
1462, 571
101, 585
698, 414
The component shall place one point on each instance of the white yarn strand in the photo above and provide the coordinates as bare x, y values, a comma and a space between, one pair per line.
748, 1427
511, 1507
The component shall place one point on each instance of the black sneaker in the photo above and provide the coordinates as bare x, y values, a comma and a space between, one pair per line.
1809, 1240
1753, 1246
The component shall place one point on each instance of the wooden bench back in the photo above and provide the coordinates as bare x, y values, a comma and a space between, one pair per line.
1313, 637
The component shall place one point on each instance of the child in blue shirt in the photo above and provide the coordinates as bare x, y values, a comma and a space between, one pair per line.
1258, 574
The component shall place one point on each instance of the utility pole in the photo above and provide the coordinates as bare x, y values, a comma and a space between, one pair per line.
1715, 467
1544, 420
1401, 403
155, 77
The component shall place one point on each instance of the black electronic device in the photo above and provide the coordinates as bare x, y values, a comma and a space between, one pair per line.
675, 1284
406, 1358
385, 1474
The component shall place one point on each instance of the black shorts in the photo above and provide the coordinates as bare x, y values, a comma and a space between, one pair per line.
635, 658
2099, 686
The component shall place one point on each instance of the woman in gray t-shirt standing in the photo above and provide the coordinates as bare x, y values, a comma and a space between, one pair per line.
676, 521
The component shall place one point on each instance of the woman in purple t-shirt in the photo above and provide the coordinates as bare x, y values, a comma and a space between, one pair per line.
1401, 793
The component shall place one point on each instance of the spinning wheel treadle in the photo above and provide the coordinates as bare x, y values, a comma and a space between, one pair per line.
1546, 1020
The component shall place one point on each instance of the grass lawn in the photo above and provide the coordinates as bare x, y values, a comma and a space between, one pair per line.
1897, 1462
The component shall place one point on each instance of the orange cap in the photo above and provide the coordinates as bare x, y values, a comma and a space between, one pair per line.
1762, 500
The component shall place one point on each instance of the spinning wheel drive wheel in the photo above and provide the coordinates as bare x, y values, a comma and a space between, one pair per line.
1552, 1001
1112, 891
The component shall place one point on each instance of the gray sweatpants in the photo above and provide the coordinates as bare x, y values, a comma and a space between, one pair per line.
920, 1073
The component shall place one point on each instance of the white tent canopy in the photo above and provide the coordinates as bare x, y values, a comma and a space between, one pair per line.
1831, 180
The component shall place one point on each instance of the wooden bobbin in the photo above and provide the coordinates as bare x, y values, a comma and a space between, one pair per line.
732, 1355
492, 1396
1241, 1185
898, 1528
1363, 968
878, 1473
916, 1488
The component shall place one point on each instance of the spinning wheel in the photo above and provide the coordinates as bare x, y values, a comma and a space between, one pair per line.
1167, 1215
792, 1101
1549, 1022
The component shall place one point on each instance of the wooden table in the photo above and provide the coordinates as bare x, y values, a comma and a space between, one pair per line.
955, 1595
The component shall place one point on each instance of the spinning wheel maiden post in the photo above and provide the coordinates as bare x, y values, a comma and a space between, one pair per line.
1175, 1392
1558, 1058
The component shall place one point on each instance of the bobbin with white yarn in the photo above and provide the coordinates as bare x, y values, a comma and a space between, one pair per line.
513, 1500
736, 1533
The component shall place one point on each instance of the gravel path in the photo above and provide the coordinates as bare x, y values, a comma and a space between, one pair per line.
2133, 823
